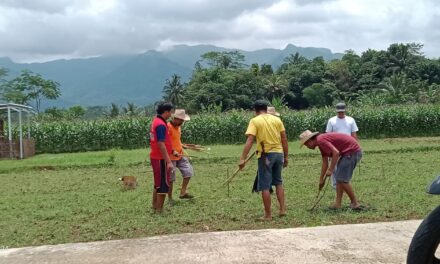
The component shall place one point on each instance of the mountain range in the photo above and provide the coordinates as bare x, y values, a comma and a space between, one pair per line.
138, 78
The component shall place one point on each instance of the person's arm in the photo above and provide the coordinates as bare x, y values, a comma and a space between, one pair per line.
335, 158
246, 149
324, 167
329, 126
354, 130
163, 151
285, 148
354, 134
161, 137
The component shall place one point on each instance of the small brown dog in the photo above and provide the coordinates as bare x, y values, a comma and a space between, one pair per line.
129, 182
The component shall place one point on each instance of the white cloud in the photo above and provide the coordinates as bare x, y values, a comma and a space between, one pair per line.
46, 29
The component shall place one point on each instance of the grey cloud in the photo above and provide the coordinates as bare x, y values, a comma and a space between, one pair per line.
33, 29
311, 2
192, 10
46, 6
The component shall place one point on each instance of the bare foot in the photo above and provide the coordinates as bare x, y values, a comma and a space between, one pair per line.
356, 205
282, 214
264, 219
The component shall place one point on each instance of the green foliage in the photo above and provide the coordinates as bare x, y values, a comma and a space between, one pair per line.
28, 87
225, 59
228, 128
113, 112
319, 94
174, 91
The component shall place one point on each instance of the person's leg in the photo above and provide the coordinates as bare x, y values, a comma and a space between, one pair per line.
173, 178
160, 201
187, 172
352, 161
154, 200
265, 194
184, 186
277, 166
280, 197
349, 190
339, 194
163, 189
264, 184
170, 192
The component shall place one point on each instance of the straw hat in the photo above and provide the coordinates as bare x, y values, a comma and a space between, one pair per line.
305, 136
180, 113
271, 110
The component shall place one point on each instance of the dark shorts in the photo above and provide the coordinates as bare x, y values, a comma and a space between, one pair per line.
161, 177
346, 166
269, 171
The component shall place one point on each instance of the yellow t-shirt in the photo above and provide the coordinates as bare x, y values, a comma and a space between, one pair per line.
176, 144
267, 128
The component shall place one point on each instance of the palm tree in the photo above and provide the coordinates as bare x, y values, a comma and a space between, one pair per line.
174, 90
395, 87
113, 112
275, 85
130, 110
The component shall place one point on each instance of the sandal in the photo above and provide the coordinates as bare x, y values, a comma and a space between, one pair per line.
186, 196
358, 208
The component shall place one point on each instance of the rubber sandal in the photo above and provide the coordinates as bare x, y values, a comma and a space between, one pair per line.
186, 196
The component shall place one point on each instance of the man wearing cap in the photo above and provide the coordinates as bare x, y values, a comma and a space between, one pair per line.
272, 155
179, 160
344, 152
160, 152
342, 123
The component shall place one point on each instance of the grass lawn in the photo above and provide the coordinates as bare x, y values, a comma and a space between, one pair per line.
60, 198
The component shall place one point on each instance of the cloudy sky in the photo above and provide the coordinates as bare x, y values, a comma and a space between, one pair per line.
42, 30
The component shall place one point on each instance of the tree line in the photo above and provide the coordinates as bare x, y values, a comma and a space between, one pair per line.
220, 80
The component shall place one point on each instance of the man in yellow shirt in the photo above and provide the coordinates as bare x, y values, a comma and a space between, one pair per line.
272, 152
178, 158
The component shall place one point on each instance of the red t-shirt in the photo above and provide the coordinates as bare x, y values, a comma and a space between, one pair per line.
345, 144
159, 133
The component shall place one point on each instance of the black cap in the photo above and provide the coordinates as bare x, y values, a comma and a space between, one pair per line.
261, 103
340, 107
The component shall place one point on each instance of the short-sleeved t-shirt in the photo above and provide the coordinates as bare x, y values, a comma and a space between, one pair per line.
345, 144
175, 134
346, 125
266, 128
159, 133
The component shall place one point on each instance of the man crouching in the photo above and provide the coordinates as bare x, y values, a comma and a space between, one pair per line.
344, 152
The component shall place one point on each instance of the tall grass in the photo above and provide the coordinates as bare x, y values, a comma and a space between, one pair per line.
229, 127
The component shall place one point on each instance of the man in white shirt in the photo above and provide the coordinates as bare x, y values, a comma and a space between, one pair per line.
342, 124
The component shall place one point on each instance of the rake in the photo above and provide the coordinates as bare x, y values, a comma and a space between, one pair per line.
236, 172
319, 198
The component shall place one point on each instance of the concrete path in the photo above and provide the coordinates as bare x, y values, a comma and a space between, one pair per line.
363, 243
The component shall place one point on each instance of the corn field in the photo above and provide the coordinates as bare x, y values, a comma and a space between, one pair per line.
229, 127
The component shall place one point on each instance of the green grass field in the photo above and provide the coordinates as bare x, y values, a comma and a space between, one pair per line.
60, 198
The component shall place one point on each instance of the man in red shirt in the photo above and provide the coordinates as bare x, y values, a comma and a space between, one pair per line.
160, 151
344, 152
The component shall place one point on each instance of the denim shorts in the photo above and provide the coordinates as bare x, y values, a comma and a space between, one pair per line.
270, 166
346, 166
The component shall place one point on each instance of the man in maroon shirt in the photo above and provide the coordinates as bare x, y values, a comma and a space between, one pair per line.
344, 152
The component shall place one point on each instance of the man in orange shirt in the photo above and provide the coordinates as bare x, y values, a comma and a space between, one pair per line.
178, 158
